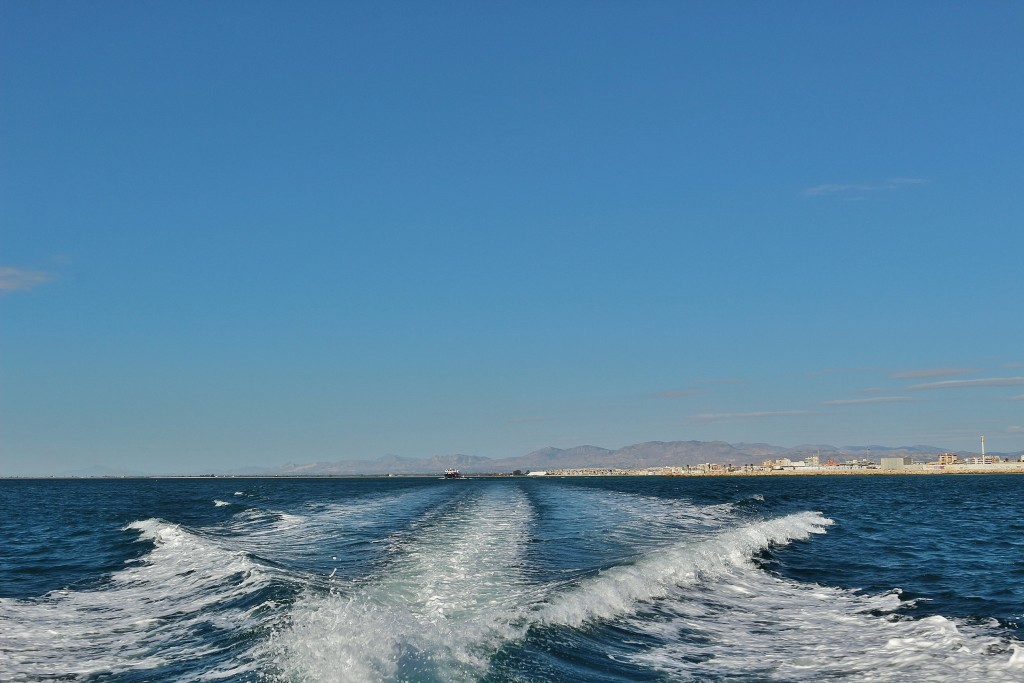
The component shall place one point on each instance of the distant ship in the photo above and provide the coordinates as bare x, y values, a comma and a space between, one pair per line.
452, 473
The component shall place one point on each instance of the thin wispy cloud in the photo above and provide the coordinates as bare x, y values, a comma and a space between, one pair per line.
22, 279
875, 399
1016, 398
1015, 429
847, 190
931, 373
970, 383
713, 417
679, 393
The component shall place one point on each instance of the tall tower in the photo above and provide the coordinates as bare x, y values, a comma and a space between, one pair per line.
982, 449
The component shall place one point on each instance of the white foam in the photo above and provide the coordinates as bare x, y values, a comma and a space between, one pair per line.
142, 620
617, 591
456, 592
744, 622
438, 611
643, 522
284, 535
220, 503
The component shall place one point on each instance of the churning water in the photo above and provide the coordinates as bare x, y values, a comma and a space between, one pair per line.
597, 579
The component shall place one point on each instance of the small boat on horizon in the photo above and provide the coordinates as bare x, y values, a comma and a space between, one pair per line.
452, 473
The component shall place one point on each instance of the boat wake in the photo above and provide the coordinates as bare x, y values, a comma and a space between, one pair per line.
145, 618
752, 624
463, 583
618, 590
438, 611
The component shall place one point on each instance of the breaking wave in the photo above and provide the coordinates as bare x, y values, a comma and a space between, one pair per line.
146, 617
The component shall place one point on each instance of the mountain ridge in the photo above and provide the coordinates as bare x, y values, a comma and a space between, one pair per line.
634, 456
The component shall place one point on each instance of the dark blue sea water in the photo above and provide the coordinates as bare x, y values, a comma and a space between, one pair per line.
875, 578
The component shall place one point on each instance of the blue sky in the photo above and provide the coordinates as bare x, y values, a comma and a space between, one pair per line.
252, 233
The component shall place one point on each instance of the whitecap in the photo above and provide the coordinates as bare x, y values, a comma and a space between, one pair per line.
775, 629
618, 590
142, 619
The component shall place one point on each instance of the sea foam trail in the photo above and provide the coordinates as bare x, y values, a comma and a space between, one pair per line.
456, 593
617, 591
437, 612
749, 623
311, 530
143, 619
718, 616
630, 519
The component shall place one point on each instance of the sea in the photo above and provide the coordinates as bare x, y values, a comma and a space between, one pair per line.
609, 579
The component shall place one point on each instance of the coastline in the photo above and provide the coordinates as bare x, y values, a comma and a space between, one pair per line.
664, 471
995, 468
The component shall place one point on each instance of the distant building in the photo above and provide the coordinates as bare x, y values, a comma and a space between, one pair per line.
864, 462
983, 460
896, 463
948, 459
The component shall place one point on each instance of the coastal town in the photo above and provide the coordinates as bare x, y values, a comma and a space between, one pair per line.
945, 463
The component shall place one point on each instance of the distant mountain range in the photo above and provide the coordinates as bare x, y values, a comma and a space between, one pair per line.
649, 454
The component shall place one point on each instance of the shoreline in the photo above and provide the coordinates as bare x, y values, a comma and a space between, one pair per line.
908, 470
913, 470
871, 472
